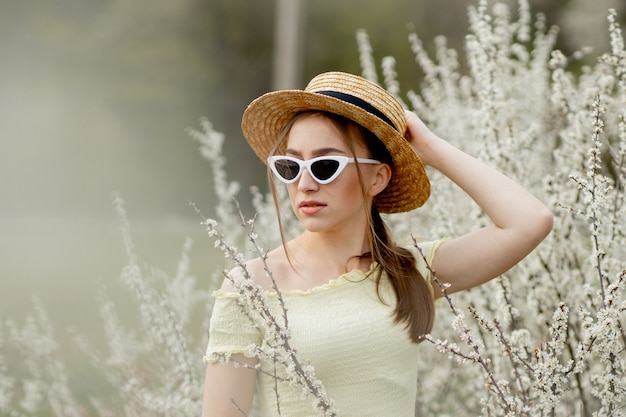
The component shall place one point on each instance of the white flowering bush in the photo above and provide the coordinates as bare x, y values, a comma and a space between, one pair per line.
546, 338
150, 366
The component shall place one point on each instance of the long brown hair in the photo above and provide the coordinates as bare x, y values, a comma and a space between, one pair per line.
414, 301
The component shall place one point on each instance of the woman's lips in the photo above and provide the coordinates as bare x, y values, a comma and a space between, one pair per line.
311, 207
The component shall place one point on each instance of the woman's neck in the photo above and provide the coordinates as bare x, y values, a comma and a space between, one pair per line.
331, 249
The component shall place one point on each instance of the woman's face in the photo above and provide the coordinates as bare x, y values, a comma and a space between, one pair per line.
340, 204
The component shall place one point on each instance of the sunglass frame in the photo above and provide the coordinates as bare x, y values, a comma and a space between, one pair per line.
343, 161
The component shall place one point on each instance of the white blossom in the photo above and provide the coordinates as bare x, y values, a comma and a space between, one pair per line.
546, 338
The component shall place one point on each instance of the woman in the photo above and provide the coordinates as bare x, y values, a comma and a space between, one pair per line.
357, 303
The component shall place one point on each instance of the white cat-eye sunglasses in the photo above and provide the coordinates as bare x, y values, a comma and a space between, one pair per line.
323, 169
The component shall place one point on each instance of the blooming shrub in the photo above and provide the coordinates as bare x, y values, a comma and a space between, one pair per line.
151, 367
547, 336
544, 339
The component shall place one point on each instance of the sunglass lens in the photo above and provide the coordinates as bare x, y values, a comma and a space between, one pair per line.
287, 169
324, 169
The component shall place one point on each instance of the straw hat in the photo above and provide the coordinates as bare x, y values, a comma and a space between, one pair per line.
359, 100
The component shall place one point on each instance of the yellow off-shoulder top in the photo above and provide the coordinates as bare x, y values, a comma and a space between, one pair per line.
367, 364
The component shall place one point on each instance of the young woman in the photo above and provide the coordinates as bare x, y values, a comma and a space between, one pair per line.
358, 303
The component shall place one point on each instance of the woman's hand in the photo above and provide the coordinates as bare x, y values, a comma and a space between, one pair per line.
519, 220
419, 136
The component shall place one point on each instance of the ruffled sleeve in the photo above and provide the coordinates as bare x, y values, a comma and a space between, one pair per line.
230, 330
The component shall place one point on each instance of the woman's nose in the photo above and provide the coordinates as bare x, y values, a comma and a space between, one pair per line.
306, 181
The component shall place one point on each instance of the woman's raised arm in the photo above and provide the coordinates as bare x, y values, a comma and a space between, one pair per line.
520, 221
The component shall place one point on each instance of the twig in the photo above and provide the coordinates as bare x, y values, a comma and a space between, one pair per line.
467, 336
243, 413
248, 289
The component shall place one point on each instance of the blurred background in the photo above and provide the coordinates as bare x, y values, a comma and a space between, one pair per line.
96, 97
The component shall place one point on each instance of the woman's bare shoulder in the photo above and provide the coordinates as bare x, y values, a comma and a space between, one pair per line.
258, 269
